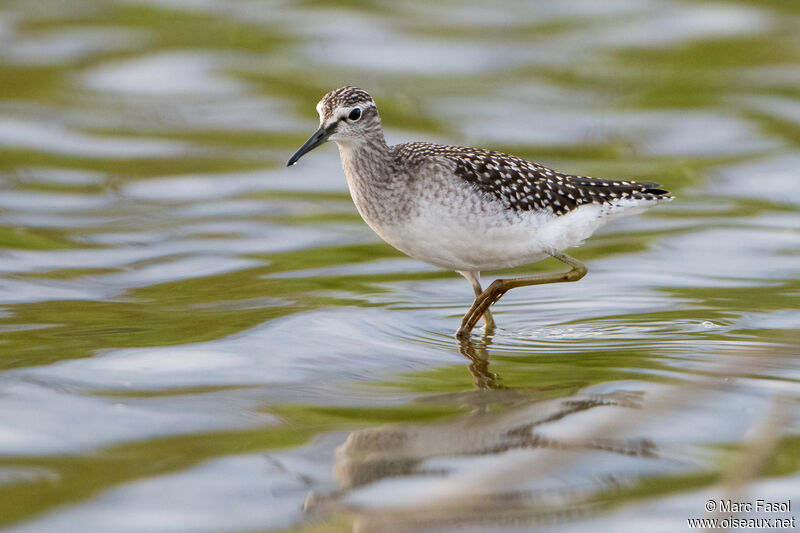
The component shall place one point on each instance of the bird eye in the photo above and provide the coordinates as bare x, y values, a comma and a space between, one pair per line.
355, 114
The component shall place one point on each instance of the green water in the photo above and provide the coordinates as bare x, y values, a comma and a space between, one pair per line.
195, 338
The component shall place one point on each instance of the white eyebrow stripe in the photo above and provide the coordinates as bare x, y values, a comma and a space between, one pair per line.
342, 112
345, 111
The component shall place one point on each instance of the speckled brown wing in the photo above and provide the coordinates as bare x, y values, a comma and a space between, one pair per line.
524, 186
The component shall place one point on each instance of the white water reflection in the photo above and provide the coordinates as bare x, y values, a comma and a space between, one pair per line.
423, 55
770, 179
150, 258
279, 351
51, 202
192, 188
38, 418
245, 492
63, 176
671, 25
16, 291
539, 121
55, 137
166, 74
70, 45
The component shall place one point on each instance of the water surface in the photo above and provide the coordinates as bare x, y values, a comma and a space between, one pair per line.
195, 338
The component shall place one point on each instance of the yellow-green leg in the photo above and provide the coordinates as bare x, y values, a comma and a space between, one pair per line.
474, 277
500, 286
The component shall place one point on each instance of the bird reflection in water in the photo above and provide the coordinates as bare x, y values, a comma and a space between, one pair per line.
478, 355
413, 477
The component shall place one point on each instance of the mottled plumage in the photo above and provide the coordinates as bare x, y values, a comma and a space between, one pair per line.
524, 186
468, 209
343, 98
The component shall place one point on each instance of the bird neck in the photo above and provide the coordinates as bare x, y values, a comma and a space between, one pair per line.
375, 185
366, 160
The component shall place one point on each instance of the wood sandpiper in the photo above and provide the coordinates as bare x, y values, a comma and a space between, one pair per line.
468, 209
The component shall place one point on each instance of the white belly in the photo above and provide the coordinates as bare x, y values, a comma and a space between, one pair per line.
455, 227
487, 241
456, 247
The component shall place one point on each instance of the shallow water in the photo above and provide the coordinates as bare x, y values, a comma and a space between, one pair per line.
195, 338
